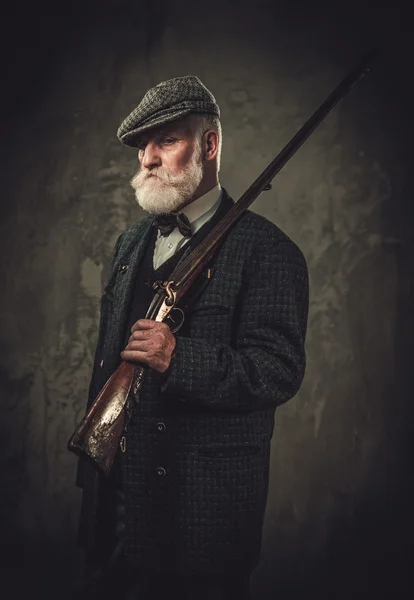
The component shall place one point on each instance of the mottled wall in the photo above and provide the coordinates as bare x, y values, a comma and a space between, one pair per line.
341, 485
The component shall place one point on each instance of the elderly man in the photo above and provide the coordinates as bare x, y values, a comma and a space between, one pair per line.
183, 510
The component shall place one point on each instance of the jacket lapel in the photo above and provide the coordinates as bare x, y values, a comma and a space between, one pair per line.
123, 278
205, 276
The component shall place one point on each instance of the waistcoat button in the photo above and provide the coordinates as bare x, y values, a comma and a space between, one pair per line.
161, 471
161, 426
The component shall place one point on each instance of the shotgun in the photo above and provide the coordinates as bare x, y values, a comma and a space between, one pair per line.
98, 436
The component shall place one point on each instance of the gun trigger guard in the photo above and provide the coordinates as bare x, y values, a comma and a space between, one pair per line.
175, 322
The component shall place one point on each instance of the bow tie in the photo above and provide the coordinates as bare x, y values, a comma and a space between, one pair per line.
166, 224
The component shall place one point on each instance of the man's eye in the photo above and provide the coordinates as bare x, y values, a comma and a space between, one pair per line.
141, 146
168, 141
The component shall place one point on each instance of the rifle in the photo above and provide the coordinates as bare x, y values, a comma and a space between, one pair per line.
98, 435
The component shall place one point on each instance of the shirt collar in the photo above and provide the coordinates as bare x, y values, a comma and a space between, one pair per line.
202, 205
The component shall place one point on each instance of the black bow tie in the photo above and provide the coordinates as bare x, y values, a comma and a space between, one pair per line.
166, 224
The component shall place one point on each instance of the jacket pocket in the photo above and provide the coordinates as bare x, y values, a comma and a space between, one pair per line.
210, 310
228, 451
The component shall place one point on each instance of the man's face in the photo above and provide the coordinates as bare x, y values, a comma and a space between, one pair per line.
171, 167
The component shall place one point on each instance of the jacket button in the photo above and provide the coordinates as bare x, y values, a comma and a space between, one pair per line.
161, 471
101, 364
123, 268
161, 426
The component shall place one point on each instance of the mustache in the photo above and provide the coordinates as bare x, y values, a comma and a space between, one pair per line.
141, 177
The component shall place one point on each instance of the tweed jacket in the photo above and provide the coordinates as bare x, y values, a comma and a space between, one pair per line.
196, 485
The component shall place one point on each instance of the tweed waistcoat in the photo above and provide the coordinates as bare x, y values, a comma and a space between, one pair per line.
145, 278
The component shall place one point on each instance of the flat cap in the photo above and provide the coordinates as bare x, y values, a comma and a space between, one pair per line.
166, 102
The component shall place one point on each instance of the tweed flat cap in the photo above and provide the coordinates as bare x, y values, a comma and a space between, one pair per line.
166, 102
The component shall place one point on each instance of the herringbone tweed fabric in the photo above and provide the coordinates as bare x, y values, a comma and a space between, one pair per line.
196, 487
167, 101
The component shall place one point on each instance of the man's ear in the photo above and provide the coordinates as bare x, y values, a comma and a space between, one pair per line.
210, 144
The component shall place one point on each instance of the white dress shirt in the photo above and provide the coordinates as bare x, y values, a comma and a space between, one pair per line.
198, 213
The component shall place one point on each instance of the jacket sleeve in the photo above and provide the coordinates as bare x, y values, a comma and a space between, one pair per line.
266, 363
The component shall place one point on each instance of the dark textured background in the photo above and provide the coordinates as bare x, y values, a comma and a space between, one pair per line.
338, 523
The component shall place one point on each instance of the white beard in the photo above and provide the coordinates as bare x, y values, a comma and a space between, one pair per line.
160, 192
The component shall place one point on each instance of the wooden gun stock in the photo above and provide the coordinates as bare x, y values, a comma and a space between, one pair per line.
98, 434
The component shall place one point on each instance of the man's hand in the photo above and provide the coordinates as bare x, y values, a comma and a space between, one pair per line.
151, 343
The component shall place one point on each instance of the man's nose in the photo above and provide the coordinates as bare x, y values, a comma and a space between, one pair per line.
150, 156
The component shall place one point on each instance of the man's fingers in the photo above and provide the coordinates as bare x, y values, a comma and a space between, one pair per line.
144, 324
151, 344
140, 334
143, 358
137, 345
134, 356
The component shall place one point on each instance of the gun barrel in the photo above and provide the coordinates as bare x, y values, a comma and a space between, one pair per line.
189, 269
